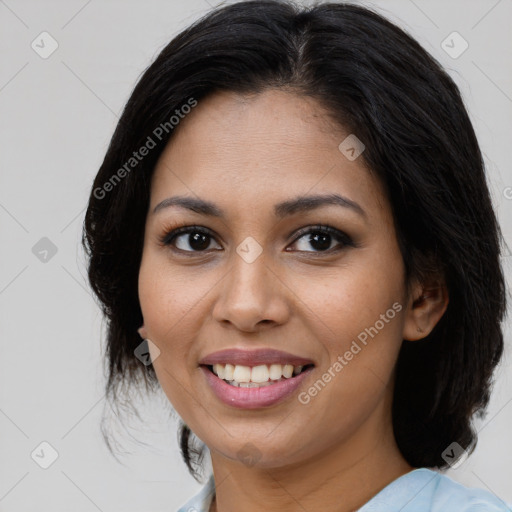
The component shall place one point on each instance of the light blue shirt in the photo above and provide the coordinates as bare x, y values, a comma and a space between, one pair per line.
420, 490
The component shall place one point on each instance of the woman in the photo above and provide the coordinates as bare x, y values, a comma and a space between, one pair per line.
293, 214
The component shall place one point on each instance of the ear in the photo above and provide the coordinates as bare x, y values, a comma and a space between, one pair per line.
426, 306
143, 333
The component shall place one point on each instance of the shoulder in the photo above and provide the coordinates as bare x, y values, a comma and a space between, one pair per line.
448, 494
425, 490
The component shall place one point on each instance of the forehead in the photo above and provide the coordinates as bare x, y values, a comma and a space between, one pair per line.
245, 149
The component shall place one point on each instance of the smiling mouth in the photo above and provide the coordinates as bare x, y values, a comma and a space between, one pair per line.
256, 376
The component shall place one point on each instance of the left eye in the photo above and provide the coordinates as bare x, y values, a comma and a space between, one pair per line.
196, 239
321, 239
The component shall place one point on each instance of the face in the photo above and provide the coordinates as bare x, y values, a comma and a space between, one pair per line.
323, 281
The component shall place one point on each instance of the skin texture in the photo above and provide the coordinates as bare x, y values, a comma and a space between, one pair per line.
245, 154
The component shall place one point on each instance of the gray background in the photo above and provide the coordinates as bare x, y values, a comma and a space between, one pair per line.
57, 117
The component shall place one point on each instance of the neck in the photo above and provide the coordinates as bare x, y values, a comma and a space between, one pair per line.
341, 479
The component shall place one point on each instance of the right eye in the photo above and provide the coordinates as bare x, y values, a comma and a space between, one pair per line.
188, 239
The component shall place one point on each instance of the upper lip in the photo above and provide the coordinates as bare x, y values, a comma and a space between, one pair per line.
254, 357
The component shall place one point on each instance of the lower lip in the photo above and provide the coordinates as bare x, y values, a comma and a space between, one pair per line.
253, 398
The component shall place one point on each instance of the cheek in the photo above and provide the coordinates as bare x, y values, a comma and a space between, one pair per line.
167, 303
163, 304
358, 318
361, 350
173, 302
166, 294
348, 300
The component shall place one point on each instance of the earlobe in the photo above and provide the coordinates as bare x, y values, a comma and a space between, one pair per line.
424, 311
143, 333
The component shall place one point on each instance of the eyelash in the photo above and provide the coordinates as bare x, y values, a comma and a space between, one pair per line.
171, 234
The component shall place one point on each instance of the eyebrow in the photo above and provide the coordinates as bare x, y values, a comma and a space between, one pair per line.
299, 204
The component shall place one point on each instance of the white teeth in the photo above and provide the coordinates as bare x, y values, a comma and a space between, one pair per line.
288, 370
252, 384
228, 371
242, 373
219, 370
276, 370
260, 375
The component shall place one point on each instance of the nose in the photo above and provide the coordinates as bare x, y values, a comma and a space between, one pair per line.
252, 296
